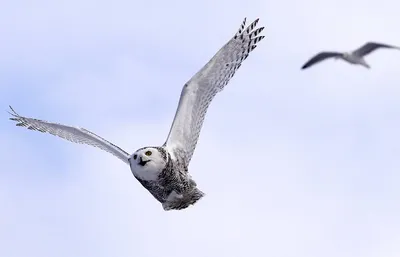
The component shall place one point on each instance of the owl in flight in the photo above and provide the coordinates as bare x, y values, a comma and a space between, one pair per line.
163, 170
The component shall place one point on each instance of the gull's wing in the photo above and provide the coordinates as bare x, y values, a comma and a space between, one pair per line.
320, 57
371, 46
199, 91
73, 134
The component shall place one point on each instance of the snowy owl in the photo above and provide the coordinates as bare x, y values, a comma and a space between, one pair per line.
163, 170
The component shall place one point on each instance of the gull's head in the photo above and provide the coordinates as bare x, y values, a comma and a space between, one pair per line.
148, 162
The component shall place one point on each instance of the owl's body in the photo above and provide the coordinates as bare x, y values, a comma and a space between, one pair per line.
168, 180
163, 170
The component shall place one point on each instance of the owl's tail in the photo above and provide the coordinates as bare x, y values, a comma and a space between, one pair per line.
188, 199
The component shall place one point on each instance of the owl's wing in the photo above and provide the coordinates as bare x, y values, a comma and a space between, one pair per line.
199, 91
72, 134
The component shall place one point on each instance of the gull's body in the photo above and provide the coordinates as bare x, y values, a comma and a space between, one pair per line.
355, 57
163, 170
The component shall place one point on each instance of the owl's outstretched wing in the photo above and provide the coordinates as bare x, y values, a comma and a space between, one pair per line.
199, 91
72, 134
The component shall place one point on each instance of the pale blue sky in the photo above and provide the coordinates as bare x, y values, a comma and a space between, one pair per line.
293, 163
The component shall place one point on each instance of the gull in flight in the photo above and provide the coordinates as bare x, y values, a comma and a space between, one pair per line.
355, 57
163, 170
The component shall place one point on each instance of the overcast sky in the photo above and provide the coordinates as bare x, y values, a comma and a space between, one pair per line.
293, 163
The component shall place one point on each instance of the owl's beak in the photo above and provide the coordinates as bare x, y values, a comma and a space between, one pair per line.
141, 162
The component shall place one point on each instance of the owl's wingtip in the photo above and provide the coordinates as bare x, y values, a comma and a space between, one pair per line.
12, 110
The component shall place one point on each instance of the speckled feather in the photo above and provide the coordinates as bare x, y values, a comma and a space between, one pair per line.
174, 177
173, 186
200, 90
73, 134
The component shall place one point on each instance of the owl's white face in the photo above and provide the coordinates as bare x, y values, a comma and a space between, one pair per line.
147, 163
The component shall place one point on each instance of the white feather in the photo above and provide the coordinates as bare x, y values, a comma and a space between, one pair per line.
152, 169
72, 134
200, 90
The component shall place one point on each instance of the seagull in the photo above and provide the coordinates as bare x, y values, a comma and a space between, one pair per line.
163, 170
355, 57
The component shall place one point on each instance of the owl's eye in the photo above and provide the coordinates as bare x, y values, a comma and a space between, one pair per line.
134, 156
148, 153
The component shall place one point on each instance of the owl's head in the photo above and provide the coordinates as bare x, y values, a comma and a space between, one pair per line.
148, 162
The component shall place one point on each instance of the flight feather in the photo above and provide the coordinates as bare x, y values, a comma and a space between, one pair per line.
72, 134
200, 90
